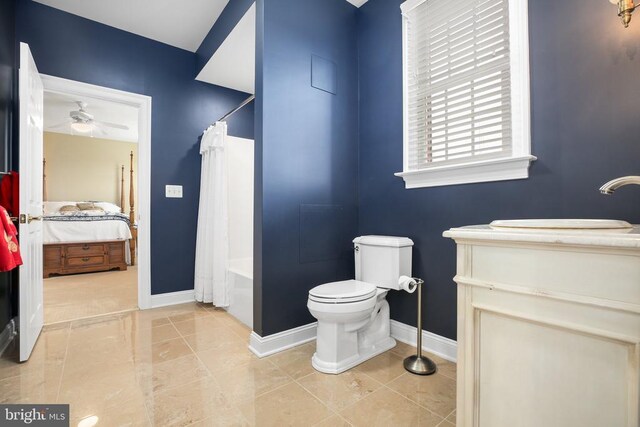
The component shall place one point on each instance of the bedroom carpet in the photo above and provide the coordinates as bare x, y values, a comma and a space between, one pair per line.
85, 295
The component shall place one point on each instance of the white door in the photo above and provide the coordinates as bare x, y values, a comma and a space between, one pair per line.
30, 233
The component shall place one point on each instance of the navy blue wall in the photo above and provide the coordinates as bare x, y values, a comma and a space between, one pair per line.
7, 108
306, 157
7, 79
71, 47
585, 111
229, 18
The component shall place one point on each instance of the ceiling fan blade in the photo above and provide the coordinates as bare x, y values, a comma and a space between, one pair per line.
59, 125
100, 128
112, 125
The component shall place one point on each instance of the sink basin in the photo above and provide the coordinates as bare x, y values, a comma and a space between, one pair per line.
563, 224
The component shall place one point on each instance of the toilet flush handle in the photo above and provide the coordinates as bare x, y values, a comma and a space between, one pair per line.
357, 248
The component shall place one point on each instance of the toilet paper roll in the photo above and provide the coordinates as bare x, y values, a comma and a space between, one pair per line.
407, 284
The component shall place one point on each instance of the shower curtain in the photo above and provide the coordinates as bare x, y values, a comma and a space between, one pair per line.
212, 241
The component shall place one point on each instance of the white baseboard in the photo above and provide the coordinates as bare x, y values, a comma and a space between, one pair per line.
173, 298
271, 344
436, 344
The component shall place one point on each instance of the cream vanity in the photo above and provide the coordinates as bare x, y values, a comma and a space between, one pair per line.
548, 324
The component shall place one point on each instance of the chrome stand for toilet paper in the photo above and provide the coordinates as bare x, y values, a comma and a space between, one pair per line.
419, 364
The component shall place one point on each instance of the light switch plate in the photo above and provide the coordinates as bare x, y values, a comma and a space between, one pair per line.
173, 191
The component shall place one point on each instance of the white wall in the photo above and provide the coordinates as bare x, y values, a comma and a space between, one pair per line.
83, 168
240, 180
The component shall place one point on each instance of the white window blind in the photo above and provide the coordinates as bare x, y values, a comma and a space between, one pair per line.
458, 82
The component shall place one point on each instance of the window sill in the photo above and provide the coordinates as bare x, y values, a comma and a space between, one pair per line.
482, 171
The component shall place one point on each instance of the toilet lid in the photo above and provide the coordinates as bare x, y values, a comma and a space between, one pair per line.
344, 291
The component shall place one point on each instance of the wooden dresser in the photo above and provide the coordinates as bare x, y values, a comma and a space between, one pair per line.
72, 258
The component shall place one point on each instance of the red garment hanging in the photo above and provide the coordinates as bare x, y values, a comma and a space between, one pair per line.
10, 257
10, 193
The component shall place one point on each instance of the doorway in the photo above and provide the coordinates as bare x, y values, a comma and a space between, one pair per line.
102, 265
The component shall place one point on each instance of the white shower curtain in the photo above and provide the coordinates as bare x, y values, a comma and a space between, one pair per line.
212, 242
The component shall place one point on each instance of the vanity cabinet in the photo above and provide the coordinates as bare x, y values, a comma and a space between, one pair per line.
548, 327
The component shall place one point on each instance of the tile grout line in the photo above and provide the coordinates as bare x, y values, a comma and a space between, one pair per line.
291, 379
236, 405
211, 376
147, 409
146, 406
357, 401
416, 403
294, 381
314, 396
120, 313
10, 377
173, 322
64, 364
167, 339
338, 413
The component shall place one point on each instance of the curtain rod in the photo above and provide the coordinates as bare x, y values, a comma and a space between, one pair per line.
238, 108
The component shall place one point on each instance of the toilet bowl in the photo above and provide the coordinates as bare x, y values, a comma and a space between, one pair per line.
353, 315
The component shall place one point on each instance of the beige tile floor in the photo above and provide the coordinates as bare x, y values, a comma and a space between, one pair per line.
189, 365
79, 296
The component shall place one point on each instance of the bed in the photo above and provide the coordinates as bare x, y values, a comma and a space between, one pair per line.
88, 236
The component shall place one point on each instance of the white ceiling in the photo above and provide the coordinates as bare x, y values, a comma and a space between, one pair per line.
57, 108
233, 65
179, 23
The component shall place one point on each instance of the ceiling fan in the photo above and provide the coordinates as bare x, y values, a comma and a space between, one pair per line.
83, 122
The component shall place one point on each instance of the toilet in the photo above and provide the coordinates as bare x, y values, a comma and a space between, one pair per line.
353, 315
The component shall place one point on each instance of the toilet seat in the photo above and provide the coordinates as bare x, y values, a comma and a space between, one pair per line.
346, 291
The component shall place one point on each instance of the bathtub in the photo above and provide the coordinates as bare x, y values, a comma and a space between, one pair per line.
240, 277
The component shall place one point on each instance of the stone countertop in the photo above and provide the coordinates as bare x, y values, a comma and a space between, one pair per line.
622, 238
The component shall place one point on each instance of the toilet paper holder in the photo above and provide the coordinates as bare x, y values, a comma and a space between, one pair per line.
419, 364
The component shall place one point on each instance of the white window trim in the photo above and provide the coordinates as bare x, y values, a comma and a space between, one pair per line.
517, 165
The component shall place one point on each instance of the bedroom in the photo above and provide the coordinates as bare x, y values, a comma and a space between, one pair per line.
89, 192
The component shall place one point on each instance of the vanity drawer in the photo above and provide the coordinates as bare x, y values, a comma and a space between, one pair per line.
88, 261
547, 269
85, 250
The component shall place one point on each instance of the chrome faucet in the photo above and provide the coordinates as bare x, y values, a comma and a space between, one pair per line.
614, 184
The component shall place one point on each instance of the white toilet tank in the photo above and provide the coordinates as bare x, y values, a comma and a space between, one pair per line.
381, 260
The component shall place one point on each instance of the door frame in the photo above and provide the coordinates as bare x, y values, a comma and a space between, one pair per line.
143, 104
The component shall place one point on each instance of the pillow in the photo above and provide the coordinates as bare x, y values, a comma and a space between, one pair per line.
54, 207
108, 207
69, 209
86, 206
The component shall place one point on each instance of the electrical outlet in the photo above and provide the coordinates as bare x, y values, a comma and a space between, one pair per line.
173, 191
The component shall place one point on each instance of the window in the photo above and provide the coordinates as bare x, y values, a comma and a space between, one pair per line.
466, 92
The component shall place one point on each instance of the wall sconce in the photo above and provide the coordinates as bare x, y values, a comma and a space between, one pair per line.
625, 9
